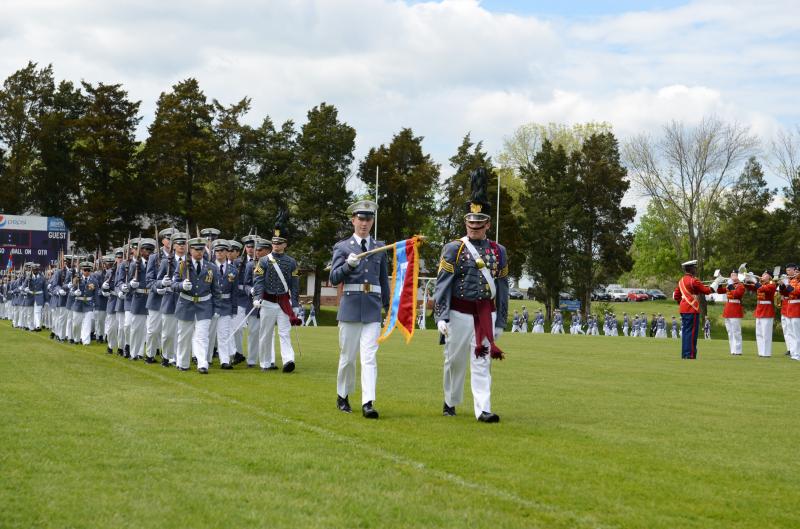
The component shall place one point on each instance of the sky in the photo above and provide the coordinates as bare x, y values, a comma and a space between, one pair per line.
443, 68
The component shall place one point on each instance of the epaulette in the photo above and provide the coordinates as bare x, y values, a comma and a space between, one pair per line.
503, 272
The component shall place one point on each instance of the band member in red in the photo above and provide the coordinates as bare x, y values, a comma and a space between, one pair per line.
686, 294
733, 313
790, 290
765, 312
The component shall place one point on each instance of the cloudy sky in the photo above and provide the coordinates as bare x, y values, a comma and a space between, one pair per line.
442, 68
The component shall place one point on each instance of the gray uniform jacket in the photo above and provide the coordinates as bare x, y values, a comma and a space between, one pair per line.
226, 285
150, 277
119, 280
100, 301
88, 288
360, 304
459, 277
267, 281
111, 300
139, 295
170, 297
242, 298
198, 303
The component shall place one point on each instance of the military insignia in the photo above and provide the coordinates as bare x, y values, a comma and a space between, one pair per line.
231, 278
258, 270
447, 267
475, 208
209, 276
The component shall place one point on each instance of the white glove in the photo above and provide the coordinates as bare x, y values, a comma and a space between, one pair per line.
134, 284
443, 327
121, 295
186, 285
353, 260
106, 294
785, 281
715, 284
256, 302
61, 292
167, 281
730, 282
160, 291
76, 292
106, 286
28, 290
169, 289
124, 288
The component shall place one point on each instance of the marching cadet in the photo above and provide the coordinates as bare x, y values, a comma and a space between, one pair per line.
674, 328
212, 326
365, 290
125, 295
733, 312
661, 327
169, 297
575, 323
707, 329
538, 323
557, 325
106, 291
243, 300
635, 326
85, 287
643, 325
765, 290
54, 286
515, 322
210, 235
198, 284
153, 304
525, 319
36, 286
101, 298
72, 273
276, 289
790, 289
472, 305
235, 257
137, 278
625, 324
26, 320
312, 315
224, 307
686, 294
261, 249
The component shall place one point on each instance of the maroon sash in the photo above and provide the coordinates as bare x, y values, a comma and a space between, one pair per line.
481, 311
286, 306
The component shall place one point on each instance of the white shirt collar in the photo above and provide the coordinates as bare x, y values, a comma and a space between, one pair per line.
358, 239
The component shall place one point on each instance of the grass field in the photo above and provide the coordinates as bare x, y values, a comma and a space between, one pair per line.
595, 432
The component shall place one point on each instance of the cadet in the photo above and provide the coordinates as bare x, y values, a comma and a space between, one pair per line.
101, 298
312, 315
153, 305
516, 324
85, 287
262, 248
557, 325
225, 308
538, 323
198, 283
525, 319
472, 305
365, 289
111, 327
674, 328
239, 311
137, 278
169, 297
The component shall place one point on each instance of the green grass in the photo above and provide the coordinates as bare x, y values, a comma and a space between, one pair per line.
595, 432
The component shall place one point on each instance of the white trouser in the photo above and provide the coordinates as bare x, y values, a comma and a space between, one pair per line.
110, 331
212, 338
225, 346
68, 325
793, 325
459, 348
311, 319
525, 327
99, 323
538, 329
734, 328
37, 316
86, 327
120, 317
76, 321
272, 316
515, 327
354, 338
764, 336
138, 334
661, 333
253, 324
29, 317
153, 329
169, 326
193, 341
127, 328
60, 319
238, 336
556, 328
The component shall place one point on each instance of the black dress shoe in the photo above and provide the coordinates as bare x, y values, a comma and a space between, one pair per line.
183, 368
343, 404
127, 350
134, 358
368, 411
149, 360
272, 367
109, 351
288, 367
250, 366
52, 335
203, 371
120, 352
226, 366
485, 416
264, 369
448, 411
165, 362
238, 358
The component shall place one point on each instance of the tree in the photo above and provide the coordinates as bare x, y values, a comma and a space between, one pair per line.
104, 150
686, 170
654, 258
407, 186
548, 191
324, 156
235, 144
597, 218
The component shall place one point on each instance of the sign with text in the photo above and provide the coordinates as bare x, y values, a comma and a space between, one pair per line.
25, 238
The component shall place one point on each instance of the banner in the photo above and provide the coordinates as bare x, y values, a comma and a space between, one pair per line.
403, 301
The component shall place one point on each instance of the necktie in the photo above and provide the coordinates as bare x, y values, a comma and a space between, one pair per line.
363, 245
197, 268
222, 270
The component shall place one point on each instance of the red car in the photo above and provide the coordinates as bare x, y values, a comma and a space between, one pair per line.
638, 295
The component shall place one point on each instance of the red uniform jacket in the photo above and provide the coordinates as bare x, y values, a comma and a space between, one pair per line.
791, 298
686, 294
733, 306
765, 294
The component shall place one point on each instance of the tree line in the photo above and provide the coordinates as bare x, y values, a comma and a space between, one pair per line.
71, 151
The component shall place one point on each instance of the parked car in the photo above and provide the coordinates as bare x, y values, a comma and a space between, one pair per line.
617, 294
515, 293
656, 294
599, 294
637, 294
566, 295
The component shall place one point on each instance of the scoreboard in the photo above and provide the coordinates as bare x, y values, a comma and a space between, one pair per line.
25, 238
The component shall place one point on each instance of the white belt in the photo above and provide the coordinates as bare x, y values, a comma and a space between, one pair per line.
734, 301
82, 299
361, 287
225, 296
794, 301
765, 302
38, 292
142, 290
195, 299
241, 287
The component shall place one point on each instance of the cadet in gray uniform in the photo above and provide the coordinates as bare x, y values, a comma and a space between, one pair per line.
153, 325
365, 290
101, 298
169, 297
225, 308
276, 287
472, 306
83, 304
262, 248
198, 281
137, 279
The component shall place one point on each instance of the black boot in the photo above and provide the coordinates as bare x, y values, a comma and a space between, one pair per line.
343, 404
368, 411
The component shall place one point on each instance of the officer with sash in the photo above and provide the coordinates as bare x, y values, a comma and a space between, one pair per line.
365, 290
686, 294
197, 281
169, 297
472, 305
276, 288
